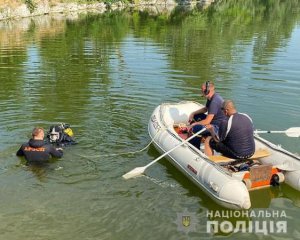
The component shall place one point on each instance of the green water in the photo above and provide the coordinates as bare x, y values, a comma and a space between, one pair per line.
104, 75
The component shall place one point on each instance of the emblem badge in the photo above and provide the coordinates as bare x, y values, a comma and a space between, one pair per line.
186, 221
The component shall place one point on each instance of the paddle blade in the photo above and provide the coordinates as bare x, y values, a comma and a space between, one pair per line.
293, 132
287, 167
136, 172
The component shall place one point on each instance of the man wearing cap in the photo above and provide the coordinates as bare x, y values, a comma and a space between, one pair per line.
199, 119
36, 151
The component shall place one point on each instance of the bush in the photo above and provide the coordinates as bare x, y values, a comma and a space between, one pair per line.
31, 5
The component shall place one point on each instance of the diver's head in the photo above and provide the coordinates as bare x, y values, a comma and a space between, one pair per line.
54, 134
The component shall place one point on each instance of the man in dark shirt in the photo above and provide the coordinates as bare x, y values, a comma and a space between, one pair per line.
199, 119
36, 150
235, 138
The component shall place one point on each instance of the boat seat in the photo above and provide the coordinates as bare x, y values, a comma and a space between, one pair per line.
260, 153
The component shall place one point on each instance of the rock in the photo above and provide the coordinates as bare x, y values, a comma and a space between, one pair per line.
18, 9
43, 7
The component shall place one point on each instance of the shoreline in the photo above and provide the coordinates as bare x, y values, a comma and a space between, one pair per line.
17, 10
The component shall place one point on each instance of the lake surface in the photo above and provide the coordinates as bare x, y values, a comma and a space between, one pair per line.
104, 75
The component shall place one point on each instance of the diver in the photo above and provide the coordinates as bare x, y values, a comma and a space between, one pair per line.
61, 135
37, 151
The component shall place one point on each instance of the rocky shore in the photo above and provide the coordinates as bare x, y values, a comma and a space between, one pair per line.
22, 10
16, 9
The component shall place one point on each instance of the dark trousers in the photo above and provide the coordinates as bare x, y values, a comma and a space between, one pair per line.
196, 141
226, 151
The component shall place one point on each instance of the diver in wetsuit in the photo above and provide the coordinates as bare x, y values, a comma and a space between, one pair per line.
36, 150
61, 135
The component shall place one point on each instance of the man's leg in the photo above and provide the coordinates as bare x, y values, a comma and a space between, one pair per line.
196, 141
207, 148
221, 148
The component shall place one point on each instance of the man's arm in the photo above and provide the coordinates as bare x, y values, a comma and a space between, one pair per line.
207, 120
199, 111
210, 128
56, 152
20, 152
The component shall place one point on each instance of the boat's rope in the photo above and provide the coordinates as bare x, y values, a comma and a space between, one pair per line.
126, 153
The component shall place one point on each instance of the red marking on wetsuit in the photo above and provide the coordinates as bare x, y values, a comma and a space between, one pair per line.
31, 149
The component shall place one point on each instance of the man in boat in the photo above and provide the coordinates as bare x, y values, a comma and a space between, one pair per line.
235, 138
36, 151
199, 119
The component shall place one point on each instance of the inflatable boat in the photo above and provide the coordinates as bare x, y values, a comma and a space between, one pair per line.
226, 181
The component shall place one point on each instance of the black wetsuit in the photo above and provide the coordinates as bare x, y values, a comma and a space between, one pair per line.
37, 151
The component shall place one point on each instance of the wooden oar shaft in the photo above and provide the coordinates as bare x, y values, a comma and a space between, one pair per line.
258, 131
291, 132
140, 170
172, 149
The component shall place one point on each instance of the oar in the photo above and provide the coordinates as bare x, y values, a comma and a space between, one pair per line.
140, 170
287, 167
291, 132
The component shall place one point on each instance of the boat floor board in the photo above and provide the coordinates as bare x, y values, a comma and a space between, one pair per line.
260, 153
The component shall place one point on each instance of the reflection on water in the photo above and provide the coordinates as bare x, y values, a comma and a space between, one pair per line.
105, 74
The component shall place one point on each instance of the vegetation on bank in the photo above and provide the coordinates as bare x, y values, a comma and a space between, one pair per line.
34, 2
3, 2
31, 4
